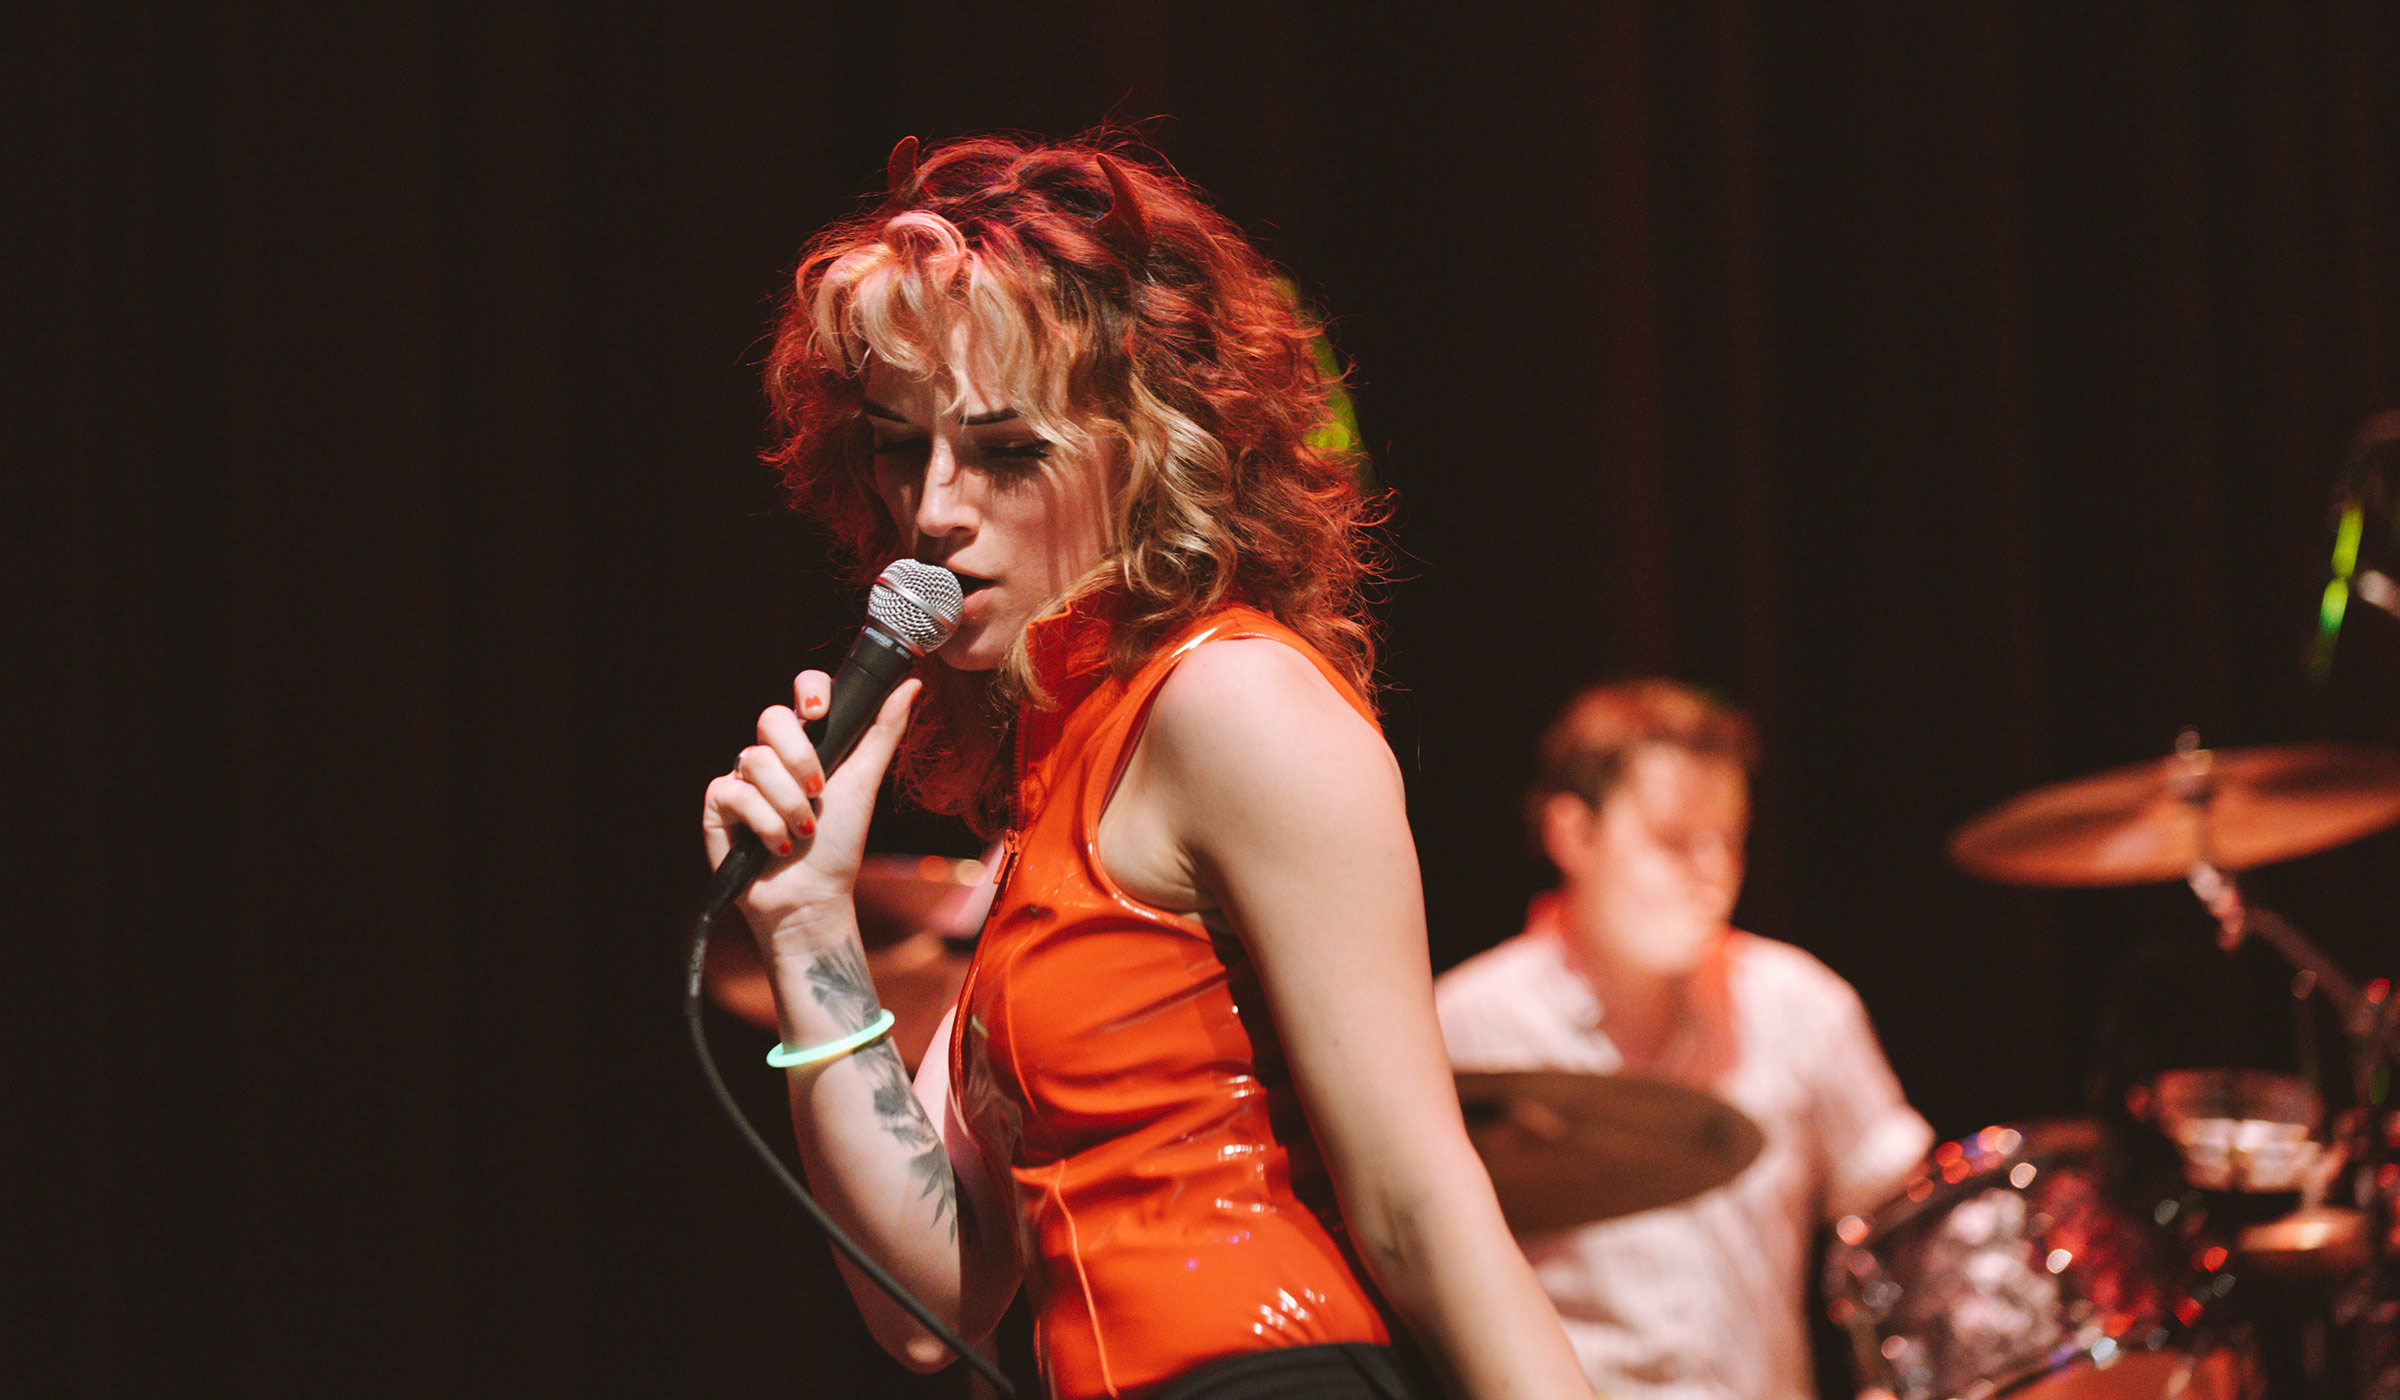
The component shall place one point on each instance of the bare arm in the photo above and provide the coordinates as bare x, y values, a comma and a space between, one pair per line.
872, 1154
1257, 784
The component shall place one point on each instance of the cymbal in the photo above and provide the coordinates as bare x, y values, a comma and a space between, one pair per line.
2313, 1242
1568, 1149
2237, 808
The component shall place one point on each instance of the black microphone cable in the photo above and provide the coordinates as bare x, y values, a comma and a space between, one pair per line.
693, 975
913, 609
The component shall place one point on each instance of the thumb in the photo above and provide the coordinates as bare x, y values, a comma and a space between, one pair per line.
882, 739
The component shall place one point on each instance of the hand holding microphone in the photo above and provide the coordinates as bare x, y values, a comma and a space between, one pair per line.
912, 610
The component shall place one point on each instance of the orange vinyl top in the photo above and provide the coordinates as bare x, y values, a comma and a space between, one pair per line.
1116, 1063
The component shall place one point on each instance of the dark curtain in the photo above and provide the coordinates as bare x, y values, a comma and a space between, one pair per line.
1957, 386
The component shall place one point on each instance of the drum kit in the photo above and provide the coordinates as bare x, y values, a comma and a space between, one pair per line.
2226, 1242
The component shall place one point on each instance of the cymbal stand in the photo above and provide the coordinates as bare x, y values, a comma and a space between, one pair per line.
2366, 1020
2370, 1017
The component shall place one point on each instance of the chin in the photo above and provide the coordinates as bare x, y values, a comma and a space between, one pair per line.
971, 649
1685, 956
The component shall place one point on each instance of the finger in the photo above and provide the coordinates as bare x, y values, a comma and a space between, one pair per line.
729, 810
796, 754
812, 694
737, 800
765, 769
716, 821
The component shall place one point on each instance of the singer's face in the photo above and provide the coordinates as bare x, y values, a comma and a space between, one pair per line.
976, 490
1652, 875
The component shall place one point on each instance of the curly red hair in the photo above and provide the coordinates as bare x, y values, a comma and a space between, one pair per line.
1155, 332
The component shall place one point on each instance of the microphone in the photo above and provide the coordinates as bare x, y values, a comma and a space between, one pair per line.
911, 611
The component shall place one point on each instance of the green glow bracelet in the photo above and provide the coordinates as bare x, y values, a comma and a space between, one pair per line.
782, 1057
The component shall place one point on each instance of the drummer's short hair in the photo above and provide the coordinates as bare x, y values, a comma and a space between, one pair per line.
1584, 750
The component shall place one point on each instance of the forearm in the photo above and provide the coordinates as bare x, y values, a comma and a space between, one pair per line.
1448, 1265
874, 1159
876, 1163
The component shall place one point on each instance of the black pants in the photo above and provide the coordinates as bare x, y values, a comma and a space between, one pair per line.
1337, 1371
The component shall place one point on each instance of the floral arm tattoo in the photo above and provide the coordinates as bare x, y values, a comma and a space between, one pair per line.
841, 985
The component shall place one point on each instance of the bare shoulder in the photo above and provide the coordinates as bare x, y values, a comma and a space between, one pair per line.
1251, 709
1249, 754
1251, 681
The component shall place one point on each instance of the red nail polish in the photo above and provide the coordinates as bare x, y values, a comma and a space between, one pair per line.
787, 848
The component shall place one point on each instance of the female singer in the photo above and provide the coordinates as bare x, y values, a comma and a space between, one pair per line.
1194, 1097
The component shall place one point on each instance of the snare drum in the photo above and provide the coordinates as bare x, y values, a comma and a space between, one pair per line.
2022, 1260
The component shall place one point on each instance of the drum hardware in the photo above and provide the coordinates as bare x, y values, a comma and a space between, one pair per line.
2203, 815
2033, 1260
2312, 1224
2242, 1130
1566, 1148
2309, 1224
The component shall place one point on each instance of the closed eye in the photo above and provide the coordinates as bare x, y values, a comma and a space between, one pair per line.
902, 447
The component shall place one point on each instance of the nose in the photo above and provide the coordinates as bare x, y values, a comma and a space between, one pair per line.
947, 502
1716, 861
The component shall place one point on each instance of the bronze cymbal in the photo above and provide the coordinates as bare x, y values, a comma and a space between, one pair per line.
1565, 1148
2236, 808
2313, 1242
911, 910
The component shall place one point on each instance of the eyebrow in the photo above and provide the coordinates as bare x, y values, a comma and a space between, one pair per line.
979, 420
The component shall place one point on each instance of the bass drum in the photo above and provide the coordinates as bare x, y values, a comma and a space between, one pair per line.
2025, 1261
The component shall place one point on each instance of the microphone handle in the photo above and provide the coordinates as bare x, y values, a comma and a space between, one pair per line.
870, 673
876, 665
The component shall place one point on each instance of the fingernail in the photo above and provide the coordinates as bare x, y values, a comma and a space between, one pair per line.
814, 785
786, 848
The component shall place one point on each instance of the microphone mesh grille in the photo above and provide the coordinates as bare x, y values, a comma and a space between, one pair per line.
916, 602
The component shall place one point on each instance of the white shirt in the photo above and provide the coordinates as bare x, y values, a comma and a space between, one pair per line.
1706, 1298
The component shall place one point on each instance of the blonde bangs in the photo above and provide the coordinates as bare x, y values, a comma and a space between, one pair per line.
921, 300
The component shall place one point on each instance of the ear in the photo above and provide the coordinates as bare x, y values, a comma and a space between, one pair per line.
900, 167
1566, 827
1124, 225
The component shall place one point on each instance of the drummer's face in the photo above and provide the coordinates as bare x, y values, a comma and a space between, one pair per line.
975, 489
1654, 872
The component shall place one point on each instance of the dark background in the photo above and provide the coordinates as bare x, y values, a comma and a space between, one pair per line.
1958, 386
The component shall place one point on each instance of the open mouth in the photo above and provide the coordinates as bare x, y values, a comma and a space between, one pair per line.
969, 585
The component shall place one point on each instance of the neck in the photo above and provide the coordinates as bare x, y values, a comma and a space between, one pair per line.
1641, 1009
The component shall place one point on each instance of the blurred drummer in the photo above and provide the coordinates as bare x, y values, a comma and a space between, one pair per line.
1631, 967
